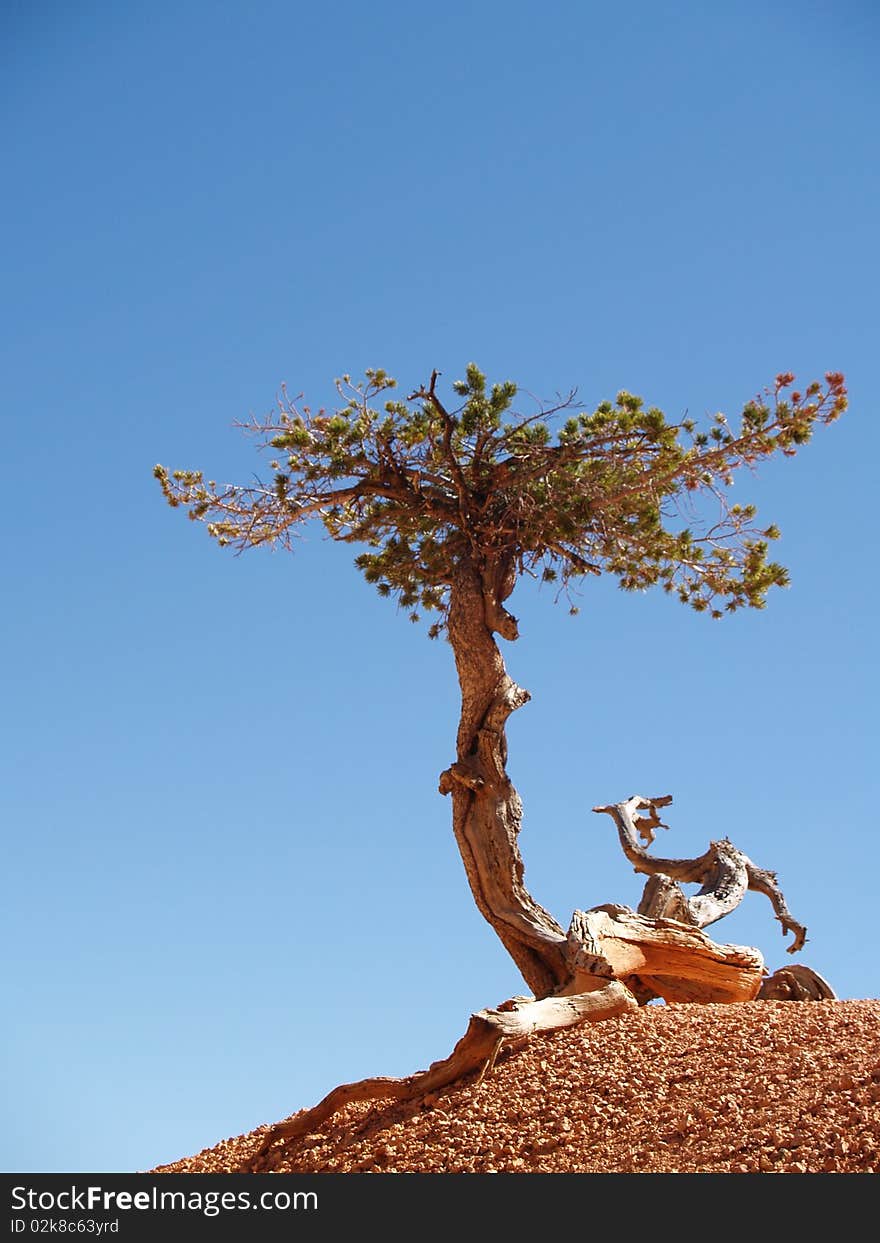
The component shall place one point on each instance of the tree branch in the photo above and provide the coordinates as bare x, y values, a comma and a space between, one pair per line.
763, 881
725, 871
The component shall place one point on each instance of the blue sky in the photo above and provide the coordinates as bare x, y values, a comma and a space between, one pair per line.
230, 881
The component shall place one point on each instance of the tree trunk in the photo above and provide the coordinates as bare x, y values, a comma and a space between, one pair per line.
659, 951
486, 809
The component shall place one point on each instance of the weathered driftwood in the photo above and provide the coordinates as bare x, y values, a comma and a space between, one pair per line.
673, 960
474, 1053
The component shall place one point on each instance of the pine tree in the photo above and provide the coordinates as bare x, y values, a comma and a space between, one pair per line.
453, 501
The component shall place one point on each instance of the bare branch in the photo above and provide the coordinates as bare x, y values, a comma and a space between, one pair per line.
765, 882
725, 871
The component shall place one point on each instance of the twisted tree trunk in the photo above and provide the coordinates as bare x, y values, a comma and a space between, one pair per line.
487, 816
612, 958
513, 1022
486, 809
660, 951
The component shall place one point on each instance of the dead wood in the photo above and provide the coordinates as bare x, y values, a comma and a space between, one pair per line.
659, 957
796, 983
474, 1053
724, 872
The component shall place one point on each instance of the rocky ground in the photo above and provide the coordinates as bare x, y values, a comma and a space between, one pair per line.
772, 1086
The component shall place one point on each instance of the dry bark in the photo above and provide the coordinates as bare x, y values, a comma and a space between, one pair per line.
486, 809
725, 872
475, 1052
656, 951
796, 983
726, 875
760, 1087
675, 961
613, 958
606, 950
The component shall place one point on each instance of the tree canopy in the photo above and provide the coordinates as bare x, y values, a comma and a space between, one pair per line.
557, 493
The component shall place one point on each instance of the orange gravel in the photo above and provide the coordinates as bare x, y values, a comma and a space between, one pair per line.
770, 1086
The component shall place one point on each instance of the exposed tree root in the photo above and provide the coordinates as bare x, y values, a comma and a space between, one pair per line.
475, 1052
613, 958
796, 983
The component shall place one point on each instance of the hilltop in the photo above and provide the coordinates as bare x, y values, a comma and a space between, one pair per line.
743, 1088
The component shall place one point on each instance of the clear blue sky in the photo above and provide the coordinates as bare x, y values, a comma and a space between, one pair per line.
230, 881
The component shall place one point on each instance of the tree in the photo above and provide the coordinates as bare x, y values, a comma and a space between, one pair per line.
453, 502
